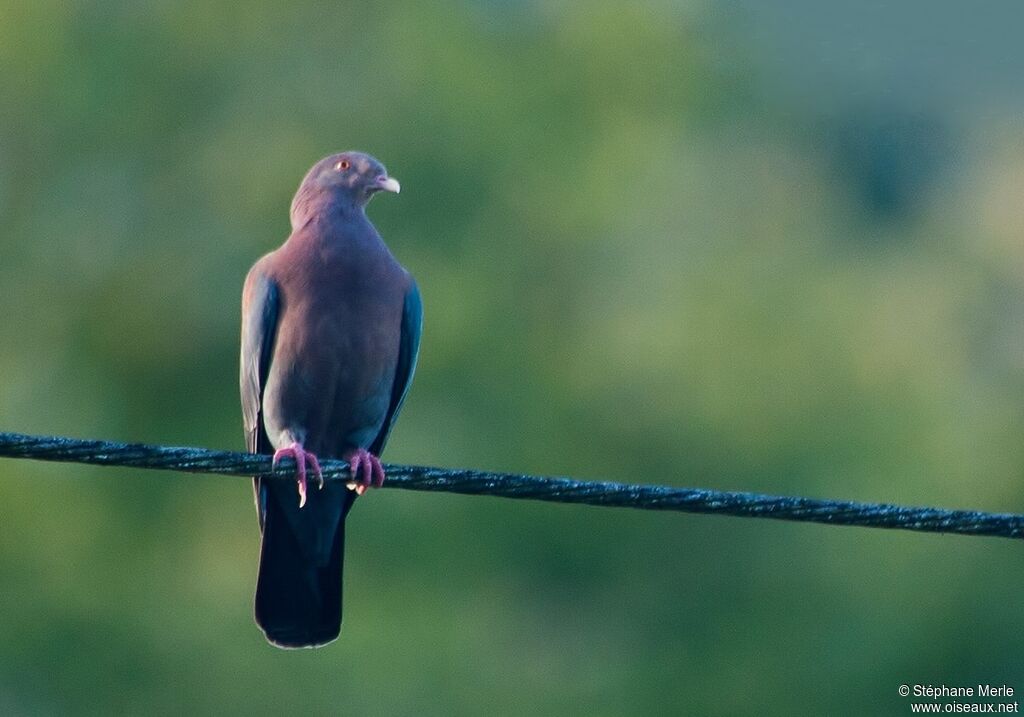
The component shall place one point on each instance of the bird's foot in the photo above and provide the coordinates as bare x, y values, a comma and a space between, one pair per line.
301, 457
366, 470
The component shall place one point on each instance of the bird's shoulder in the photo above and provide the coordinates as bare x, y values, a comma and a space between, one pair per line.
260, 275
294, 260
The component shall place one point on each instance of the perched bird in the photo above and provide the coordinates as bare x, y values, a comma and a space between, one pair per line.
330, 334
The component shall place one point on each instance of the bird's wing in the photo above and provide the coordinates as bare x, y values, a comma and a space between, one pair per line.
260, 303
408, 351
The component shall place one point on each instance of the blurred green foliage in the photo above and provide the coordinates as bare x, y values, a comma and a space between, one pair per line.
641, 257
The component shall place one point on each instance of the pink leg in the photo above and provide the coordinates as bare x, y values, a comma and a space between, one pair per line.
366, 470
301, 457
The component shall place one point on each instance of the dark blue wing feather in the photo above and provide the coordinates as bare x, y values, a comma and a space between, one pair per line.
408, 351
259, 327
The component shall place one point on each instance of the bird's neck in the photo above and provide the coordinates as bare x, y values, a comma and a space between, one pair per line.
336, 236
310, 205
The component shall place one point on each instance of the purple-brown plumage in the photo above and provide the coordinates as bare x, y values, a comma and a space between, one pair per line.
330, 333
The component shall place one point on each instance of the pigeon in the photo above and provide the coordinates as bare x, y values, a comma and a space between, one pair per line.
331, 327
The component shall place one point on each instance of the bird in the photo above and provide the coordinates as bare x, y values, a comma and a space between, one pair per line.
331, 326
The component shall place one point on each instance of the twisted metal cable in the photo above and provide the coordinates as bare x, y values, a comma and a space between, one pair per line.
510, 485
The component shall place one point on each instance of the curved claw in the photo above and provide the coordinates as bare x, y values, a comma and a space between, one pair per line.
366, 471
315, 465
300, 456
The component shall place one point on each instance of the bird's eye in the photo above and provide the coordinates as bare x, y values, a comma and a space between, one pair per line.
342, 165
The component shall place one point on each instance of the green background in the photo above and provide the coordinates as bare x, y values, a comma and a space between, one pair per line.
771, 247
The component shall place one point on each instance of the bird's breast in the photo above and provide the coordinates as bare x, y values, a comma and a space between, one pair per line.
335, 358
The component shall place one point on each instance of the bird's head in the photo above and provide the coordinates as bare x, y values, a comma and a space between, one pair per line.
347, 180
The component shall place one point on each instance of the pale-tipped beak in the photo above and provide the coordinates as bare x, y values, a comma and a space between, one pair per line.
389, 184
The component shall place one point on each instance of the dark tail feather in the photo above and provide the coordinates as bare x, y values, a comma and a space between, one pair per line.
298, 604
